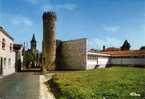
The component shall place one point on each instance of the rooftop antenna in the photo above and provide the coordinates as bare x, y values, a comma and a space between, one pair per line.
27, 45
24, 45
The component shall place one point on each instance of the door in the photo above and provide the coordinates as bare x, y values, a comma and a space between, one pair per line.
1, 66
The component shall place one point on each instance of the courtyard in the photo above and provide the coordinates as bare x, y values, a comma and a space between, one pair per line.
108, 83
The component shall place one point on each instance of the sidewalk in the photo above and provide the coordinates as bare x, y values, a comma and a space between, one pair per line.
44, 92
3, 76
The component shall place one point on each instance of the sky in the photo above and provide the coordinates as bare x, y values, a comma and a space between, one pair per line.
103, 22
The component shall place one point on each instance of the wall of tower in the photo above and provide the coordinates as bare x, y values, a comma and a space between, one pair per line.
49, 41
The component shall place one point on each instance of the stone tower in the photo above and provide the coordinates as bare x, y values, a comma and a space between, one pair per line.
49, 41
33, 45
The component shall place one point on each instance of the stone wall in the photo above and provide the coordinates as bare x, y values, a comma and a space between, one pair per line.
73, 54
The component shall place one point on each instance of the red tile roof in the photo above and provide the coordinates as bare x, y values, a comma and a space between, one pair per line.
129, 53
112, 49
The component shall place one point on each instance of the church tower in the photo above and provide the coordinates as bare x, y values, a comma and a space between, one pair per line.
33, 45
49, 41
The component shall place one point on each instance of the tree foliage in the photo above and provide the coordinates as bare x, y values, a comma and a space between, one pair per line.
142, 48
28, 58
126, 45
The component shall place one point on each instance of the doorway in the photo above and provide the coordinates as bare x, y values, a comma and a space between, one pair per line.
1, 66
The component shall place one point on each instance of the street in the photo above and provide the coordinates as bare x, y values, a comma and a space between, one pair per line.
23, 85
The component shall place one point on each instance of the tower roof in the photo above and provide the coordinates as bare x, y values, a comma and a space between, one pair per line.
33, 38
49, 14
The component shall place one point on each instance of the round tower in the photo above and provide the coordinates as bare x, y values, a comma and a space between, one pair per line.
49, 41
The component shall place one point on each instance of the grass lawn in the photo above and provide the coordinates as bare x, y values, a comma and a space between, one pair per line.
114, 83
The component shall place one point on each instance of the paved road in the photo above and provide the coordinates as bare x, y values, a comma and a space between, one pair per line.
20, 86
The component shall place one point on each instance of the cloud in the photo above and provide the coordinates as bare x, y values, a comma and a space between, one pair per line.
20, 20
67, 7
111, 28
143, 27
17, 24
33, 1
0, 11
48, 7
0, 19
108, 42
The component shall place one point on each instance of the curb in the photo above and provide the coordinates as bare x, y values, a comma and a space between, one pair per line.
44, 92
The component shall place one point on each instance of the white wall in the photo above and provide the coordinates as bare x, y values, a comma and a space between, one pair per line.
97, 61
91, 64
103, 61
9, 67
128, 61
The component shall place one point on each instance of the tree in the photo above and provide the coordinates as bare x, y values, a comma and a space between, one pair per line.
28, 58
104, 48
142, 48
125, 46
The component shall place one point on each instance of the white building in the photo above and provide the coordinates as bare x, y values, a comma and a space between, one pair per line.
128, 57
76, 55
7, 55
97, 60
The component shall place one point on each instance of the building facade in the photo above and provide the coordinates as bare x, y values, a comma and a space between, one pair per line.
18, 48
75, 55
128, 57
7, 55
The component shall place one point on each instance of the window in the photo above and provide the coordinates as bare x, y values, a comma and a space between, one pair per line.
3, 43
11, 47
9, 61
88, 57
92, 57
4, 61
